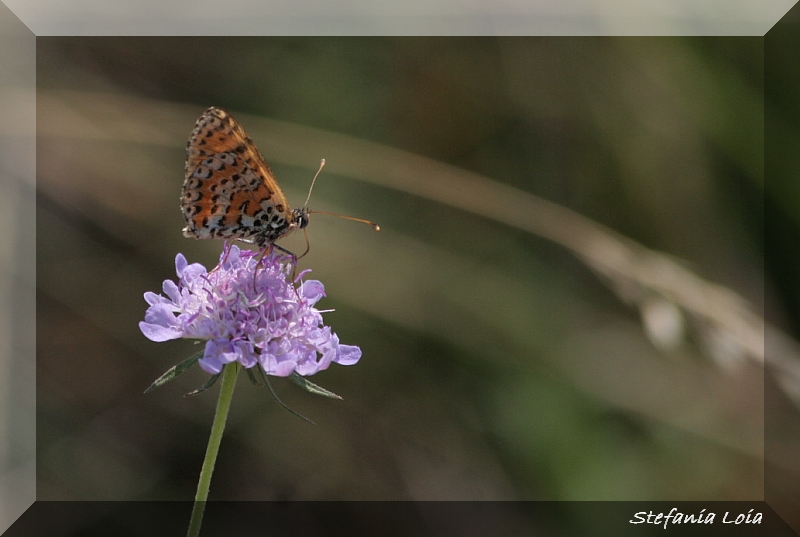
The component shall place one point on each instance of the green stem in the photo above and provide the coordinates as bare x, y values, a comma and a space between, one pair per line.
229, 373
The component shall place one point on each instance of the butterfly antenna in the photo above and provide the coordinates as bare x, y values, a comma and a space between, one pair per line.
314, 180
375, 226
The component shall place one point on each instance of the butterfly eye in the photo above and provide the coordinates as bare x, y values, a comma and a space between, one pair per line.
302, 219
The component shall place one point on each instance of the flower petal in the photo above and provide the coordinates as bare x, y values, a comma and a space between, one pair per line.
312, 290
210, 362
153, 299
180, 264
159, 333
171, 290
348, 355
162, 314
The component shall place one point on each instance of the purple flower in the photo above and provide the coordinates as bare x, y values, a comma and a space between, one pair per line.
251, 319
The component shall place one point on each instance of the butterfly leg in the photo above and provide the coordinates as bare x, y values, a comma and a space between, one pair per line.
291, 254
226, 249
268, 250
258, 262
294, 259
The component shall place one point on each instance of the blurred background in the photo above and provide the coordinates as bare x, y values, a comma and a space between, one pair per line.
514, 346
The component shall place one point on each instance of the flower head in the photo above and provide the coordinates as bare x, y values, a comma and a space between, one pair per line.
246, 315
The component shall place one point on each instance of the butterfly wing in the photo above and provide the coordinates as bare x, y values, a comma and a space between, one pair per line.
229, 191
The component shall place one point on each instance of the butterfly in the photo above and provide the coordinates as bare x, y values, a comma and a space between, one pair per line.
229, 190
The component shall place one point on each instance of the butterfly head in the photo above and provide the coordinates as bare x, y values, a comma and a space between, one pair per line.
300, 217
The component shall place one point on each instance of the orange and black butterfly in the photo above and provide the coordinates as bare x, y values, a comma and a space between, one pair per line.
229, 191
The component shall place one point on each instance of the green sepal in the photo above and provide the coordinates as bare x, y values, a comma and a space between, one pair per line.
311, 387
174, 371
205, 386
286, 407
252, 376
